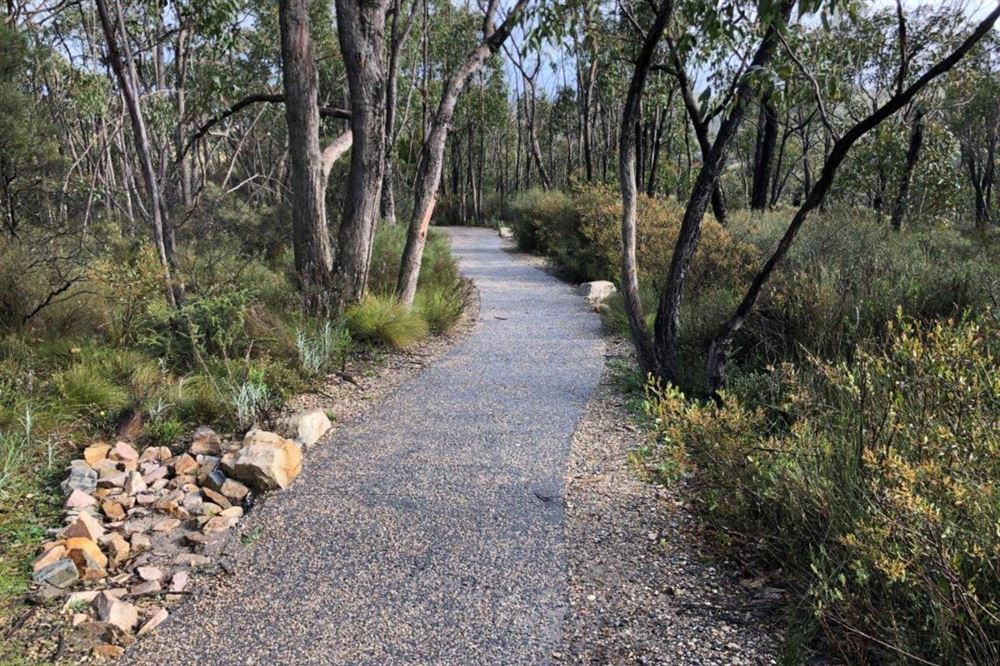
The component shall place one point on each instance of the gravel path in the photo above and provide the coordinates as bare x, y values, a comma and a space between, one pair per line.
431, 529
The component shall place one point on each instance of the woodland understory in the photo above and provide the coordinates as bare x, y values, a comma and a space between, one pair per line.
209, 206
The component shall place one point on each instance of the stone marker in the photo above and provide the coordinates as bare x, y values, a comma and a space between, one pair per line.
599, 290
267, 461
308, 426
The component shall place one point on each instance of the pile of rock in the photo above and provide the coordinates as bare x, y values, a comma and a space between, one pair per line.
136, 523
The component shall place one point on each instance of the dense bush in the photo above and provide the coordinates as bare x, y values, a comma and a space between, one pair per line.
871, 484
842, 281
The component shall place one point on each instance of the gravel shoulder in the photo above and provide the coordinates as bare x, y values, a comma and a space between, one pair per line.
642, 589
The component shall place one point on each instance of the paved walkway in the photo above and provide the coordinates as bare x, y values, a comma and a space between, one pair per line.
431, 529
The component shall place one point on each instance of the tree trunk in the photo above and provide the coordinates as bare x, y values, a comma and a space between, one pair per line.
432, 151
629, 190
310, 236
912, 156
398, 34
767, 136
128, 82
668, 313
361, 32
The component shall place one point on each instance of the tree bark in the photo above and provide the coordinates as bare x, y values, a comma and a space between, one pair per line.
912, 157
398, 34
361, 32
629, 189
432, 151
668, 313
310, 236
128, 82
767, 136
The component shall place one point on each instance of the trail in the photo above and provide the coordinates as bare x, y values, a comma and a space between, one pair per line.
430, 530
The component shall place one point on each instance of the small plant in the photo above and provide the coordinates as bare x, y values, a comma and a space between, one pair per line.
251, 400
14, 454
164, 432
381, 319
328, 349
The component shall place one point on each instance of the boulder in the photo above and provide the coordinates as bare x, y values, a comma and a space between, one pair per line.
123, 451
267, 461
145, 587
115, 612
214, 498
179, 581
220, 523
149, 573
599, 290
506, 232
80, 478
134, 483
184, 464
107, 651
61, 573
308, 426
205, 443
113, 510
140, 542
51, 555
158, 618
118, 548
233, 490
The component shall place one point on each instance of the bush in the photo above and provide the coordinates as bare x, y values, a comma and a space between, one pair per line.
382, 320
440, 307
871, 484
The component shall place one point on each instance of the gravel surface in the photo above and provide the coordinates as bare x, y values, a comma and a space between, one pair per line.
431, 528
640, 588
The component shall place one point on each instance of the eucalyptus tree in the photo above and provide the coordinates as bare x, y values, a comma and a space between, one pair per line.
432, 152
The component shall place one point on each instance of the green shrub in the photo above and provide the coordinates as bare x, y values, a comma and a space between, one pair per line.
382, 320
198, 399
164, 432
440, 307
88, 390
870, 484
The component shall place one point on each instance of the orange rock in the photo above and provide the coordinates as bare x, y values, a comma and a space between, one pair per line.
95, 453
184, 464
87, 555
113, 510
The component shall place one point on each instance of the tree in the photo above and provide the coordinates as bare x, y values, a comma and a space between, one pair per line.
125, 72
716, 366
432, 151
310, 237
361, 31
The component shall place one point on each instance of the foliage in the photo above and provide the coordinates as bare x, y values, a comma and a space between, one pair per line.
440, 307
871, 484
326, 349
382, 320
